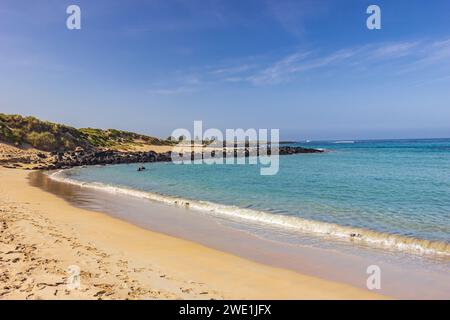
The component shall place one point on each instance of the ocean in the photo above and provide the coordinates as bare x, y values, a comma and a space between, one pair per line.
389, 194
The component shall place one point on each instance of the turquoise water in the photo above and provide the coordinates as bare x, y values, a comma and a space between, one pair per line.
397, 187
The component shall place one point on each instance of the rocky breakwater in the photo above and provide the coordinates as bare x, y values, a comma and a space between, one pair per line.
80, 157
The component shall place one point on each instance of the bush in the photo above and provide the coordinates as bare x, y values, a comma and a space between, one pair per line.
12, 136
42, 140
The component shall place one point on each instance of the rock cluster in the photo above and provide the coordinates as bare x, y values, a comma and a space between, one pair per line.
80, 157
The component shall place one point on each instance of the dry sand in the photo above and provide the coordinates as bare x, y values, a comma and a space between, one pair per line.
41, 236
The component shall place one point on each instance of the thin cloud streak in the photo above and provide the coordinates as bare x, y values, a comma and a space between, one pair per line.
407, 53
398, 57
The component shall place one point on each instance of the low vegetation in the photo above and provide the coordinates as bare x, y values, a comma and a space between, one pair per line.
48, 136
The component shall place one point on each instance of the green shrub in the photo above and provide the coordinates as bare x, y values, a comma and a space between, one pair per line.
14, 136
42, 140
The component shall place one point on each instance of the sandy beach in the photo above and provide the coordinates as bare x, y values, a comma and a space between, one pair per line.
228, 151
42, 235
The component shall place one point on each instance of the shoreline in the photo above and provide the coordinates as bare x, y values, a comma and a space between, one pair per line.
405, 276
119, 260
432, 249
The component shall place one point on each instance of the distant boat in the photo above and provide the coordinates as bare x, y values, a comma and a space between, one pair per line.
345, 142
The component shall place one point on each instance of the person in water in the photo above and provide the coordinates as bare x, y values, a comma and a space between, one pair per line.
141, 168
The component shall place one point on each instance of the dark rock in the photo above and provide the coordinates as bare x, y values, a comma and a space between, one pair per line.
79, 157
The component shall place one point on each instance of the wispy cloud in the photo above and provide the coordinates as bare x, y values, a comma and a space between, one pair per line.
438, 51
405, 54
302, 62
395, 50
395, 58
232, 70
427, 55
278, 70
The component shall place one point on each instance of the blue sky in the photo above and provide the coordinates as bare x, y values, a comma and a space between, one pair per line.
308, 67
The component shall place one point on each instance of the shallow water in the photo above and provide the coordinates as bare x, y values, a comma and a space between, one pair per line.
393, 194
